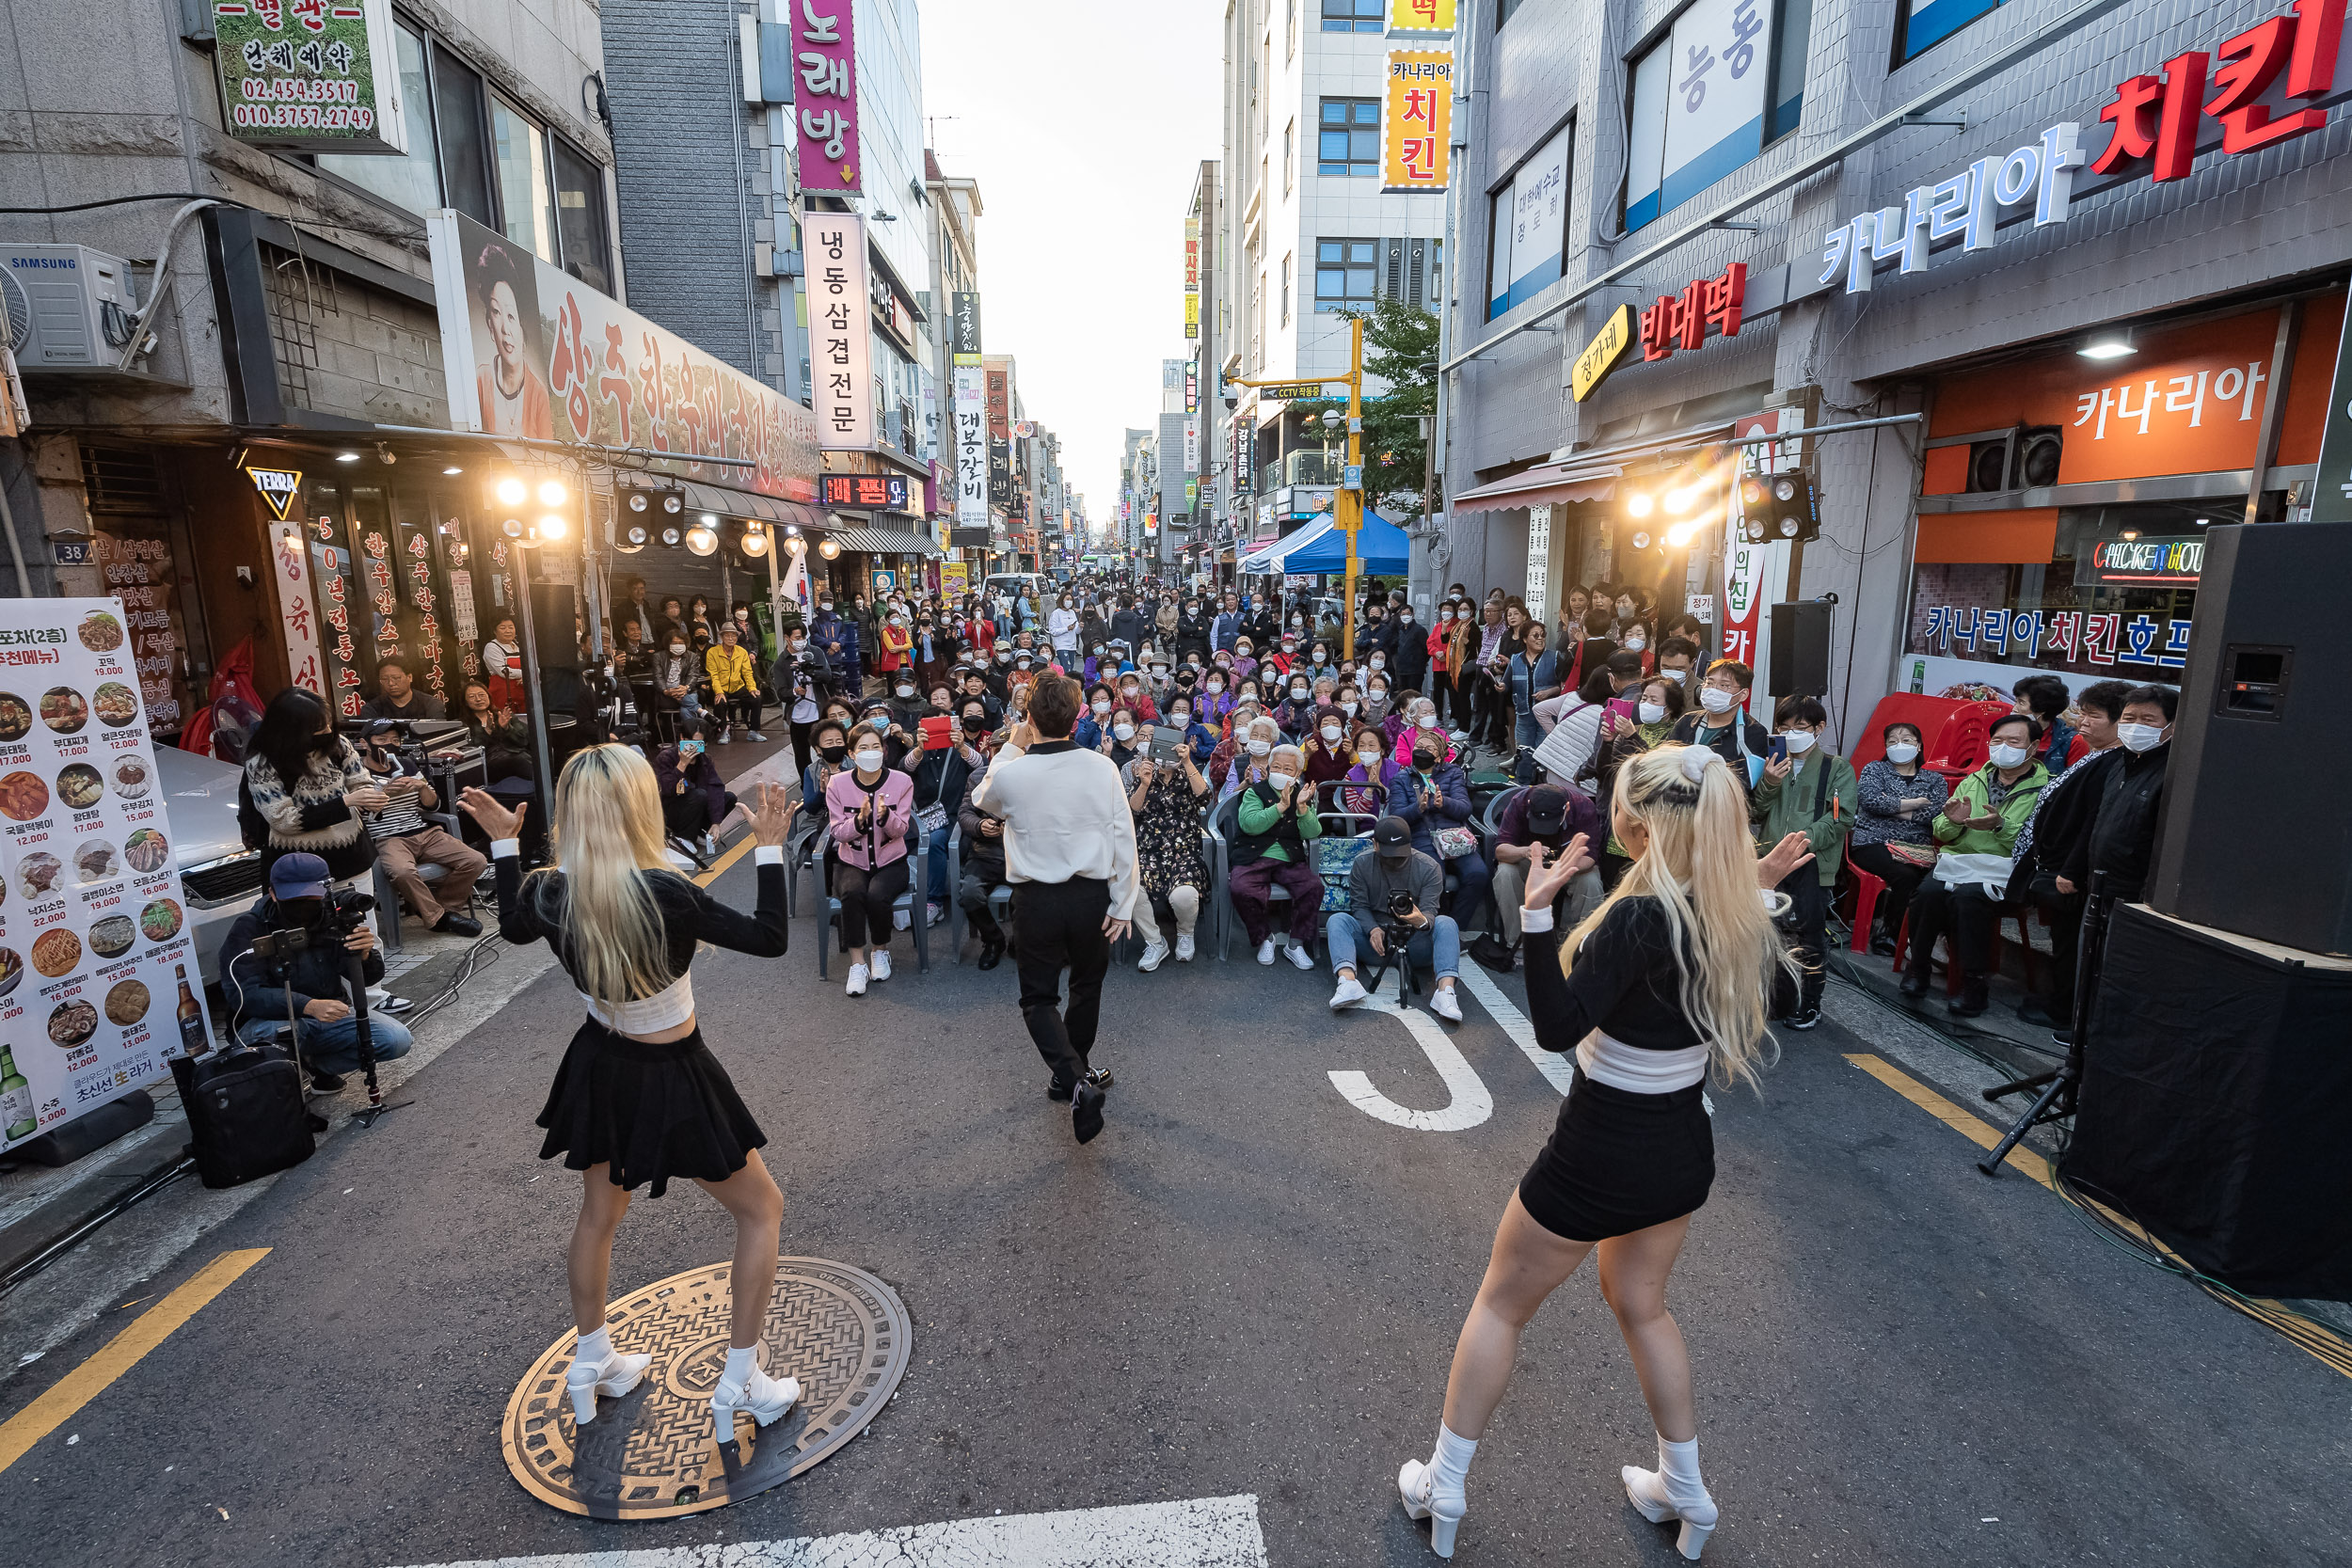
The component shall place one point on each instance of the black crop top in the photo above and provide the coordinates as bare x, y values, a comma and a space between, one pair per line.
688, 915
1625, 984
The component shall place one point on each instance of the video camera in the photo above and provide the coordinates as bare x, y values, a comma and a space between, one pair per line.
342, 912
407, 748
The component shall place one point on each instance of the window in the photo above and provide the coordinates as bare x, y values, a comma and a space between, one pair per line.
1354, 16
1290, 29
1506, 9
410, 180
526, 205
1286, 290
1345, 273
1921, 24
1348, 138
582, 229
1289, 154
1527, 218
464, 125
1726, 80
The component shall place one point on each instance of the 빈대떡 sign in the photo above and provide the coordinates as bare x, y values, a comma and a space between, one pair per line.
310, 75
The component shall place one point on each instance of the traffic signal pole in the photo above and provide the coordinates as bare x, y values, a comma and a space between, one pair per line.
1349, 500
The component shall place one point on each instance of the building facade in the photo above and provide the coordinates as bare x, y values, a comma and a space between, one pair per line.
2048, 329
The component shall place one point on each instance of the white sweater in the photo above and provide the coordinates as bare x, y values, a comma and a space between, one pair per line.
1065, 816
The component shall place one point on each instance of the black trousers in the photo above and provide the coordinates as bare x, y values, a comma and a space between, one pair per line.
802, 751
1963, 914
866, 899
1808, 910
1061, 923
2066, 930
740, 707
688, 816
972, 893
1902, 880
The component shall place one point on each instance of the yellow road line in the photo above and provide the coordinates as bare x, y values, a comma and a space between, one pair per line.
718, 866
84, 1383
1984, 1135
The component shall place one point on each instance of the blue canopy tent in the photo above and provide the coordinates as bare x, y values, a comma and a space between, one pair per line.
1381, 548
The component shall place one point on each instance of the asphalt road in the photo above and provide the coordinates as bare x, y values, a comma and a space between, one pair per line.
1247, 1285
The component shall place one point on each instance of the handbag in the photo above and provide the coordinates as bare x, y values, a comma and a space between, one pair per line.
1335, 861
1920, 855
1453, 841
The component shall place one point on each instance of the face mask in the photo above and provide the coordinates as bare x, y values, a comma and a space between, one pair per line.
1349, 708
869, 761
1677, 676
2140, 737
1445, 615
1800, 741
2009, 756
833, 753
676, 648
799, 643
1370, 759
1653, 713
975, 724
1298, 694
1425, 761
1159, 669
1376, 698
1331, 733
1216, 684
1280, 780
1102, 705
1122, 732
905, 690
1715, 700
1378, 662
1319, 657
1427, 720
1098, 652
1903, 754
1180, 717
1003, 657
1636, 643
1260, 748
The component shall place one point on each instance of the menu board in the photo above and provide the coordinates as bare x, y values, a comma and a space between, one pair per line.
99, 981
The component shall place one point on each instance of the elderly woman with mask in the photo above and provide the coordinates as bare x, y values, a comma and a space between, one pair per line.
1274, 821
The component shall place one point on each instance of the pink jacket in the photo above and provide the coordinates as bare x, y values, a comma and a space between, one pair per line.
886, 839
1406, 738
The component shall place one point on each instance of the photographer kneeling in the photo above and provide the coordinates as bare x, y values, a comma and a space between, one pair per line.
1395, 890
328, 1034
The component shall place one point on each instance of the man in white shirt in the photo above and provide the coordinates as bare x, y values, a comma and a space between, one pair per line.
1070, 855
1061, 626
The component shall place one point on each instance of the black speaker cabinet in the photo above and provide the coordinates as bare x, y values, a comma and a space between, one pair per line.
1799, 664
2249, 841
552, 609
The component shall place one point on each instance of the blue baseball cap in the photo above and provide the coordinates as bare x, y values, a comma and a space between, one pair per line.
298, 876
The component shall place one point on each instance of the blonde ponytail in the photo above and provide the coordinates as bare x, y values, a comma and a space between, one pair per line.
1700, 866
607, 834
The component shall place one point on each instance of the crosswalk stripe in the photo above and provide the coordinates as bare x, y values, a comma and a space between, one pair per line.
1556, 1069
1201, 1532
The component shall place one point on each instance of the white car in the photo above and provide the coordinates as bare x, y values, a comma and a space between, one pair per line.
220, 876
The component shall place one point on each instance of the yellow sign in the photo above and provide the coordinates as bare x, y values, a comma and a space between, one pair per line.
279, 487
1287, 390
955, 577
1413, 132
1601, 355
1420, 16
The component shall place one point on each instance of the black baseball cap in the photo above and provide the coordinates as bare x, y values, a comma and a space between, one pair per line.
1391, 837
1546, 810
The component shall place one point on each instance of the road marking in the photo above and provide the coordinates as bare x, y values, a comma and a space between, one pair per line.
719, 867
1206, 1532
2336, 1351
1557, 1069
84, 1383
1470, 1103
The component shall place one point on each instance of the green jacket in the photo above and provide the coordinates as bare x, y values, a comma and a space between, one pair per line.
1780, 809
2016, 807
1256, 817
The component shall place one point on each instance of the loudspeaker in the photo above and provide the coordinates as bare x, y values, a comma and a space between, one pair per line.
553, 608
2257, 716
1799, 664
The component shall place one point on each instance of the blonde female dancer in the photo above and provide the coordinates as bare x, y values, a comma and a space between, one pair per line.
1670, 976
638, 1098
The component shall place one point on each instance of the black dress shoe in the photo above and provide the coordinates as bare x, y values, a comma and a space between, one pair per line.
326, 1083
992, 954
1971, 1001
1882, 944
1086, 1113
1059, 1090
458, 924
1915, 984
2034, 1011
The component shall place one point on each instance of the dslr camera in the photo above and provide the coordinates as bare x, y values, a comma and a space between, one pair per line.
342, 912
410, 752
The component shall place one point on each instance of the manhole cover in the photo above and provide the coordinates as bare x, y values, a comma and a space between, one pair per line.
650, 1454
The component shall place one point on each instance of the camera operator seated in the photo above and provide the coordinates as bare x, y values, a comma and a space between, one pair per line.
327, 1033
398, 697
1395, 891
694, 800
406, 841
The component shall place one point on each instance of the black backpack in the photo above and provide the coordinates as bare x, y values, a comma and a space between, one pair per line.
245, 1113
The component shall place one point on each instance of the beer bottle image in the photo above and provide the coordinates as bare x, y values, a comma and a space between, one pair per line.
16, 1100
192, 1038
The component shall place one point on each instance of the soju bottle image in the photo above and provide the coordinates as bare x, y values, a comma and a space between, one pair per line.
16, 1100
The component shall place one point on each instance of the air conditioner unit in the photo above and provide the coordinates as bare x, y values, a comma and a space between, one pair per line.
69, 308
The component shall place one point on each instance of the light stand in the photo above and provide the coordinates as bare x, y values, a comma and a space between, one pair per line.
2059, 1085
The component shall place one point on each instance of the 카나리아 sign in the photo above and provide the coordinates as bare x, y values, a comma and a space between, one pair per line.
310, 75
1417, 119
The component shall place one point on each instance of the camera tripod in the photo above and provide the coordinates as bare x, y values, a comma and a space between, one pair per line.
1396, 938
2058, 1085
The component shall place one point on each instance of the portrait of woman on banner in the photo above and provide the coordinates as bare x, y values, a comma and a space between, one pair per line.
509, 389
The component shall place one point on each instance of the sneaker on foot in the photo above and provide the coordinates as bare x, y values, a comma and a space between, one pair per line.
1349, 991
1806, 1018
858, 974
879, 960
1302, 956
326, 1082
1265, 951
1183, 947
754, 735
1153, 952
1446, 1005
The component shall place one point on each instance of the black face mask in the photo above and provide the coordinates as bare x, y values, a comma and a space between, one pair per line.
973, 726
1425, 761
833, 753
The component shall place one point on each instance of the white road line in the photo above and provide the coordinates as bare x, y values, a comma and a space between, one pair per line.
1470, 1103
1554, 1065
1205, 1532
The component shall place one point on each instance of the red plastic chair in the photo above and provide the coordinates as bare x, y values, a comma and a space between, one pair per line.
1955, 737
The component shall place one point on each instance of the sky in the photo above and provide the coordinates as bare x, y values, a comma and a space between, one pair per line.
1085, 123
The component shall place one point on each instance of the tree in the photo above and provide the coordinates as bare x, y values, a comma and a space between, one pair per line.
1400, 348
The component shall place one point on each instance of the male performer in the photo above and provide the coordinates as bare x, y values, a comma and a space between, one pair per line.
1070, 854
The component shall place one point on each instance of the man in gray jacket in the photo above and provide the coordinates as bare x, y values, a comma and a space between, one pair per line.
1395, 884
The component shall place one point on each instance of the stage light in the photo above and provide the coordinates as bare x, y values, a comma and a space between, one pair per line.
702, 539
511, 492
1641, 539
631, 540
513, 528
551, 493
670, 537
674, 503
1638, 505
637, 500
1681, 533
551, 526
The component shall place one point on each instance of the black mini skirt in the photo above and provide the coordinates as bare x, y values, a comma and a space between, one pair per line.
1619, 1161
651, 1112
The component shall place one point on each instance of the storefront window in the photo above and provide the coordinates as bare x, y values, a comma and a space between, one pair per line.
411, 180
526, 206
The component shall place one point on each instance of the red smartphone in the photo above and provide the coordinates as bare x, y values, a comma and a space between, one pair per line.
939, 732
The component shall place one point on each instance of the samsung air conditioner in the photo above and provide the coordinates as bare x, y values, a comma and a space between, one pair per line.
69, 308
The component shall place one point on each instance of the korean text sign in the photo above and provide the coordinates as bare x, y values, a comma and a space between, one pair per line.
1699, 102
1416, 120
824, 54
531, 351
840, 341
93, 924
310, 75
972, 485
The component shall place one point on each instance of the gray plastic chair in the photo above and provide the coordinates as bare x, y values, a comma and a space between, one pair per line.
912, 900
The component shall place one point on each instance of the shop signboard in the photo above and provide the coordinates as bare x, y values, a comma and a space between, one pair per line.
99, 979
1604, 353
1533, 238
2110, 562
1680, 320
866, 492
1755, 573
138, 569
1420, 16
552, 359
310, 75
1192, 285
825, 98
955, 576
1417, 119
971, 447
964, 328
297, 616
841, 336
1707, 82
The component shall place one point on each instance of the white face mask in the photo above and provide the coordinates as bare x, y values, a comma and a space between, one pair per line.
1426, 720
1122, 732
1635, 644
1102, 705
1370, 759
1715, 700
1280, 780
1349, 708
869, 762
1331, 733
1180, 717
2140, 737
2010, 756
1799, 741
1260, 748
905, 690
1653, 713
1677, 676
1445, 615
1902, 753
676, 648
1216, 684
1298, 694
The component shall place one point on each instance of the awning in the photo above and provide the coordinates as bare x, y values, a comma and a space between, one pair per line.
1545, 484
881, 541
728, 501
1268, 558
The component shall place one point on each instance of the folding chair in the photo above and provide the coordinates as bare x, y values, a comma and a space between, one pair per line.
911, 900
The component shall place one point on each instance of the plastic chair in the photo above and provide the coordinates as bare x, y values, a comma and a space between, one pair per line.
800, 853
1951, 969
1956, 736
1867, 890
387, 897
912, 900
1224, 825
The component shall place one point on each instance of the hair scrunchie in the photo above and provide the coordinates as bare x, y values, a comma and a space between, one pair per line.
1694, 762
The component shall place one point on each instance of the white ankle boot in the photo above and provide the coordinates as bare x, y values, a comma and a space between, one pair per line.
1663, 1501
615, 1375
761, 1397
1418, 1483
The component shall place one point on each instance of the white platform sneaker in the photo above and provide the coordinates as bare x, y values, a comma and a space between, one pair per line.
764, 1399
615, 1375
1417, 1482
1646, 1490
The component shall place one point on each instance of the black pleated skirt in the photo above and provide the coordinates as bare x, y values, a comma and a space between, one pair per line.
1619, 1161
651, 1112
